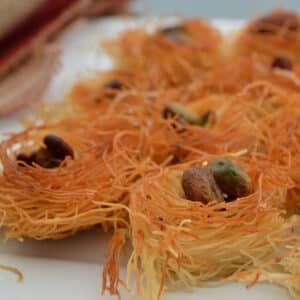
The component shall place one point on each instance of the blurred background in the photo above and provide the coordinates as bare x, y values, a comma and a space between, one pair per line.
29, 31
237, 9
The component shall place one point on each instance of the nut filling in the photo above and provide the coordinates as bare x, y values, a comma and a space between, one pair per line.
48, 157
221, 180
199, 185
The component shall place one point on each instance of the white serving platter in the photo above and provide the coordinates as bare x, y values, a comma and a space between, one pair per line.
71, 269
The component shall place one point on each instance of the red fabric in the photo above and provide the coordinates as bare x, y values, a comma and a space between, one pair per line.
43, 17
99, 7
29, 28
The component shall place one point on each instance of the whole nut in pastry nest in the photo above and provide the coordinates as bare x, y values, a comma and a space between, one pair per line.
231, 178
184, 114
58, 147
199, 185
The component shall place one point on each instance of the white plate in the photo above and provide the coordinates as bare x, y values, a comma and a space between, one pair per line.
71, 269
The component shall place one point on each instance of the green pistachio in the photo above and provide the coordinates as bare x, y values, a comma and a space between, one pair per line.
231, 178
188, 115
